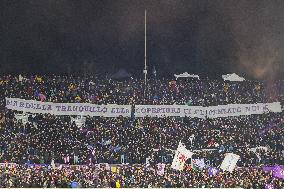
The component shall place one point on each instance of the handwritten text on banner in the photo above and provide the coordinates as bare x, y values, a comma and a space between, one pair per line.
113, 110
31, 106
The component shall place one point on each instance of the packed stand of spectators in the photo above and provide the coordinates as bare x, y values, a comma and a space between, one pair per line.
46, 138
159, 91
126, 176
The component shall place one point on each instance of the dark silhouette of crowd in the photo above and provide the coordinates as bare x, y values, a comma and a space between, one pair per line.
128, 142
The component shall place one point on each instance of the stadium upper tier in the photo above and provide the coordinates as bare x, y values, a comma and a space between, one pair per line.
133, 91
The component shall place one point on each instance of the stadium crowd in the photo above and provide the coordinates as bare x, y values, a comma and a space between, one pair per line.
49, 139
126, 176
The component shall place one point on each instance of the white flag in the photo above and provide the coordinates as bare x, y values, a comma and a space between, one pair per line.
22, 117
79, 121
52, 164
229, 162
21, 78
182, 154
198, 163
148, 162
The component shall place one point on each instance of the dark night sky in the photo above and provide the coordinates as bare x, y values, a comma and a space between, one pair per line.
202, 37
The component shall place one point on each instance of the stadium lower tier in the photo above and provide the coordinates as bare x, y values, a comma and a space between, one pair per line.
141, 176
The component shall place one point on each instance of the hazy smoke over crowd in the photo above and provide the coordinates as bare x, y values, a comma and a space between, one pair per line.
204, 37
259, 31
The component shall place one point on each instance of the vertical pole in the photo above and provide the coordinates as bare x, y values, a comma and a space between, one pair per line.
145, 56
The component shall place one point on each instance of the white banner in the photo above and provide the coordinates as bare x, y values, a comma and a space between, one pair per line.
83, 109
203, 112
170, 111
242, 109
158, 110
113, 110
230, 162
182, 154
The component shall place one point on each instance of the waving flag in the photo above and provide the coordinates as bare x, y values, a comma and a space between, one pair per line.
147, 165
269, 186
278, 172
182, 154
52, 164
79, 121
42, 97
74, 184
161, 169
230, 162
22, 117
36, 93
212, 171
198, 163
117, 148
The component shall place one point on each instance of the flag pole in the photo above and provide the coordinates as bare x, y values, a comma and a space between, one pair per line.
145, 55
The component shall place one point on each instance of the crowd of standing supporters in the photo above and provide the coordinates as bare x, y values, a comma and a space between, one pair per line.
129, 176
47, 138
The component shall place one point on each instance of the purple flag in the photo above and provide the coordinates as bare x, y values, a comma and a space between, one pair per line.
42, 97
161, 169
270, 168
278, 172
36, 94
213, 171
269, 186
